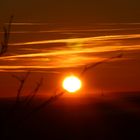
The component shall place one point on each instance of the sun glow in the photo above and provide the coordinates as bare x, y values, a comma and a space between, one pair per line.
72, 84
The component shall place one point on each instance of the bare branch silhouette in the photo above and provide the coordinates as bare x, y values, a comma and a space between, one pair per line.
42, 105
31, 96
90, 66
6, 36
22, 82
16, 77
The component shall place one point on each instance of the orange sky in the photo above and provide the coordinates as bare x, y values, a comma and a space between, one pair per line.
53, 38
56, 52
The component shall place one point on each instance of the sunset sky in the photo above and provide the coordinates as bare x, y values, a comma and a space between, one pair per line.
54, 38
71, 10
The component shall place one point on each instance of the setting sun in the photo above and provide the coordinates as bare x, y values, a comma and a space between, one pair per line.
72, 84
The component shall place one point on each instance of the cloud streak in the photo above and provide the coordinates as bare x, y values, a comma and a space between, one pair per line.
69, 52
98, 38
65, 31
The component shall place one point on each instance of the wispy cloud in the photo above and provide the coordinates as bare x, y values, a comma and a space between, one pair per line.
61, 59
27, 23
40, 23
76, 31
68, 52
98, 38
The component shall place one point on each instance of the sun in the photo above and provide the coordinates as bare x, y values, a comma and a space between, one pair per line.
72, 84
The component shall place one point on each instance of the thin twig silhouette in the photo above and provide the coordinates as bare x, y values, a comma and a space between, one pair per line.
6, 37
32, 95
22, 81
42, 105
91, 66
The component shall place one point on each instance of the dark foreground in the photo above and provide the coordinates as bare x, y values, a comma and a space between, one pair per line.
105, 117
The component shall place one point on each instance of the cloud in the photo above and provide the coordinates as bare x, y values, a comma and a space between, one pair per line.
98, 38
68, 52
27, 24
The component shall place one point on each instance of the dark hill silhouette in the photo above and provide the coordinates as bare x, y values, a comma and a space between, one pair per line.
112, 116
